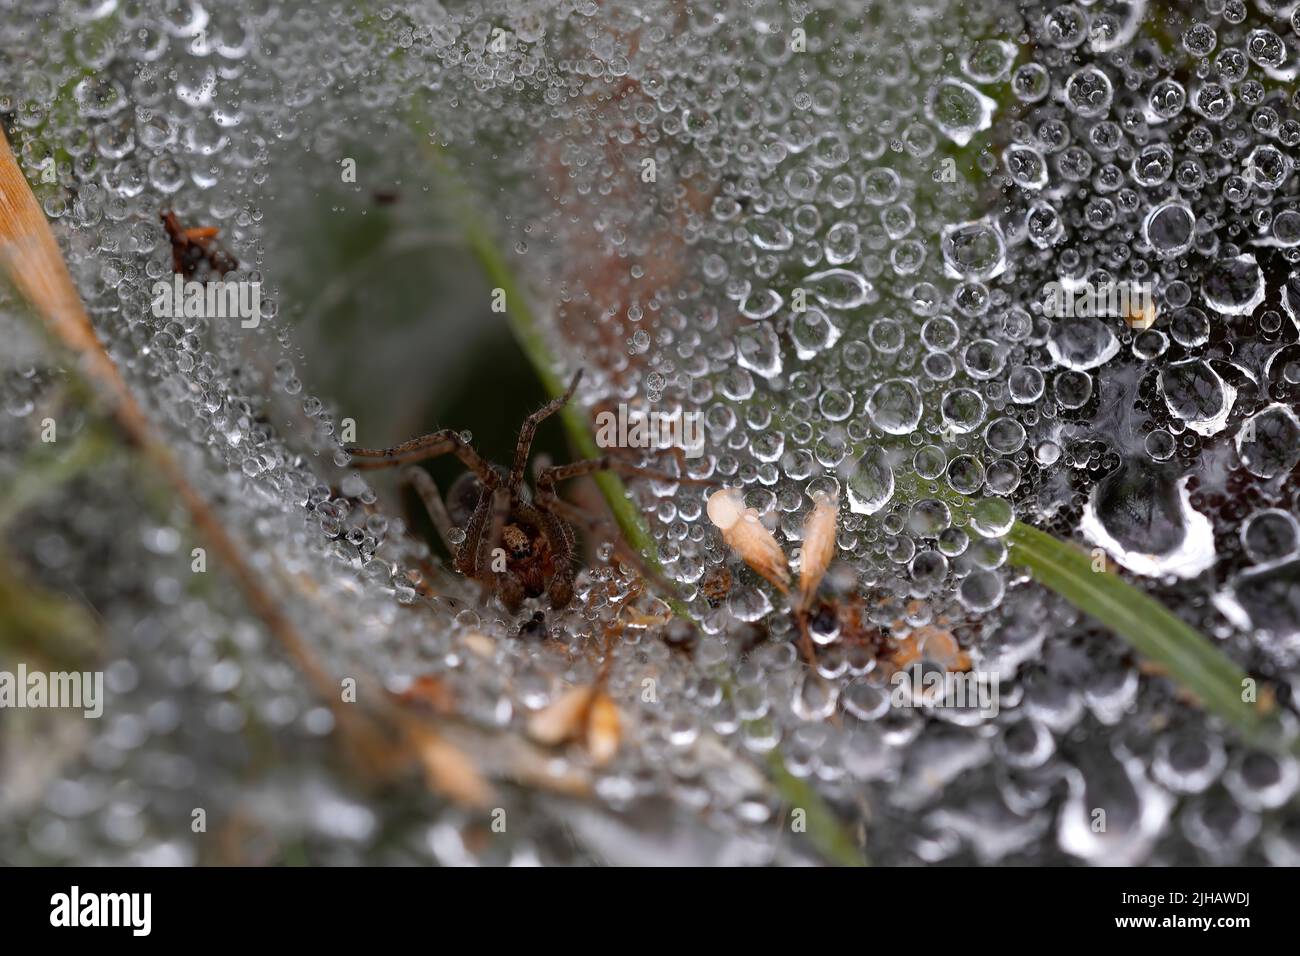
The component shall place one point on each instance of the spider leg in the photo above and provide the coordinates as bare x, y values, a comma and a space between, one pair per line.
529, 428
500, 512
511, 592
424, 486
467, 556
548, 501
549, 476
426, 446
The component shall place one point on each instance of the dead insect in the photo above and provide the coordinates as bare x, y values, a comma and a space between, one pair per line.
518, 542
193, 247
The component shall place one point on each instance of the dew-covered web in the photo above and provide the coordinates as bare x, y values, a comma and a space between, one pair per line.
861, 242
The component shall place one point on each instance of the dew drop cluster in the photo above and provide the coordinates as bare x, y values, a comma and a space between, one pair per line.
837, 236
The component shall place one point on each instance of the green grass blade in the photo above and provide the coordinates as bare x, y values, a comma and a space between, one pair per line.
1190, 659
528, 333
1150, 628
47, 467
825, 831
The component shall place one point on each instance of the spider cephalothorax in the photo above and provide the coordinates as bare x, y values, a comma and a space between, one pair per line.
517, 541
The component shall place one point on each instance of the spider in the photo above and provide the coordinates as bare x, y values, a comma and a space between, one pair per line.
194, 246
517, 541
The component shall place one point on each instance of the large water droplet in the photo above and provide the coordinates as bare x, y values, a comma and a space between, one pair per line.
1145, 520
1082, 344
1194, 393
871, 484
959, 110
1269, 441
1234, 286
974, 250
895, 406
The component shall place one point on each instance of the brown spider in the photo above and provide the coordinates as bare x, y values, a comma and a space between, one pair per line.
517, 541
